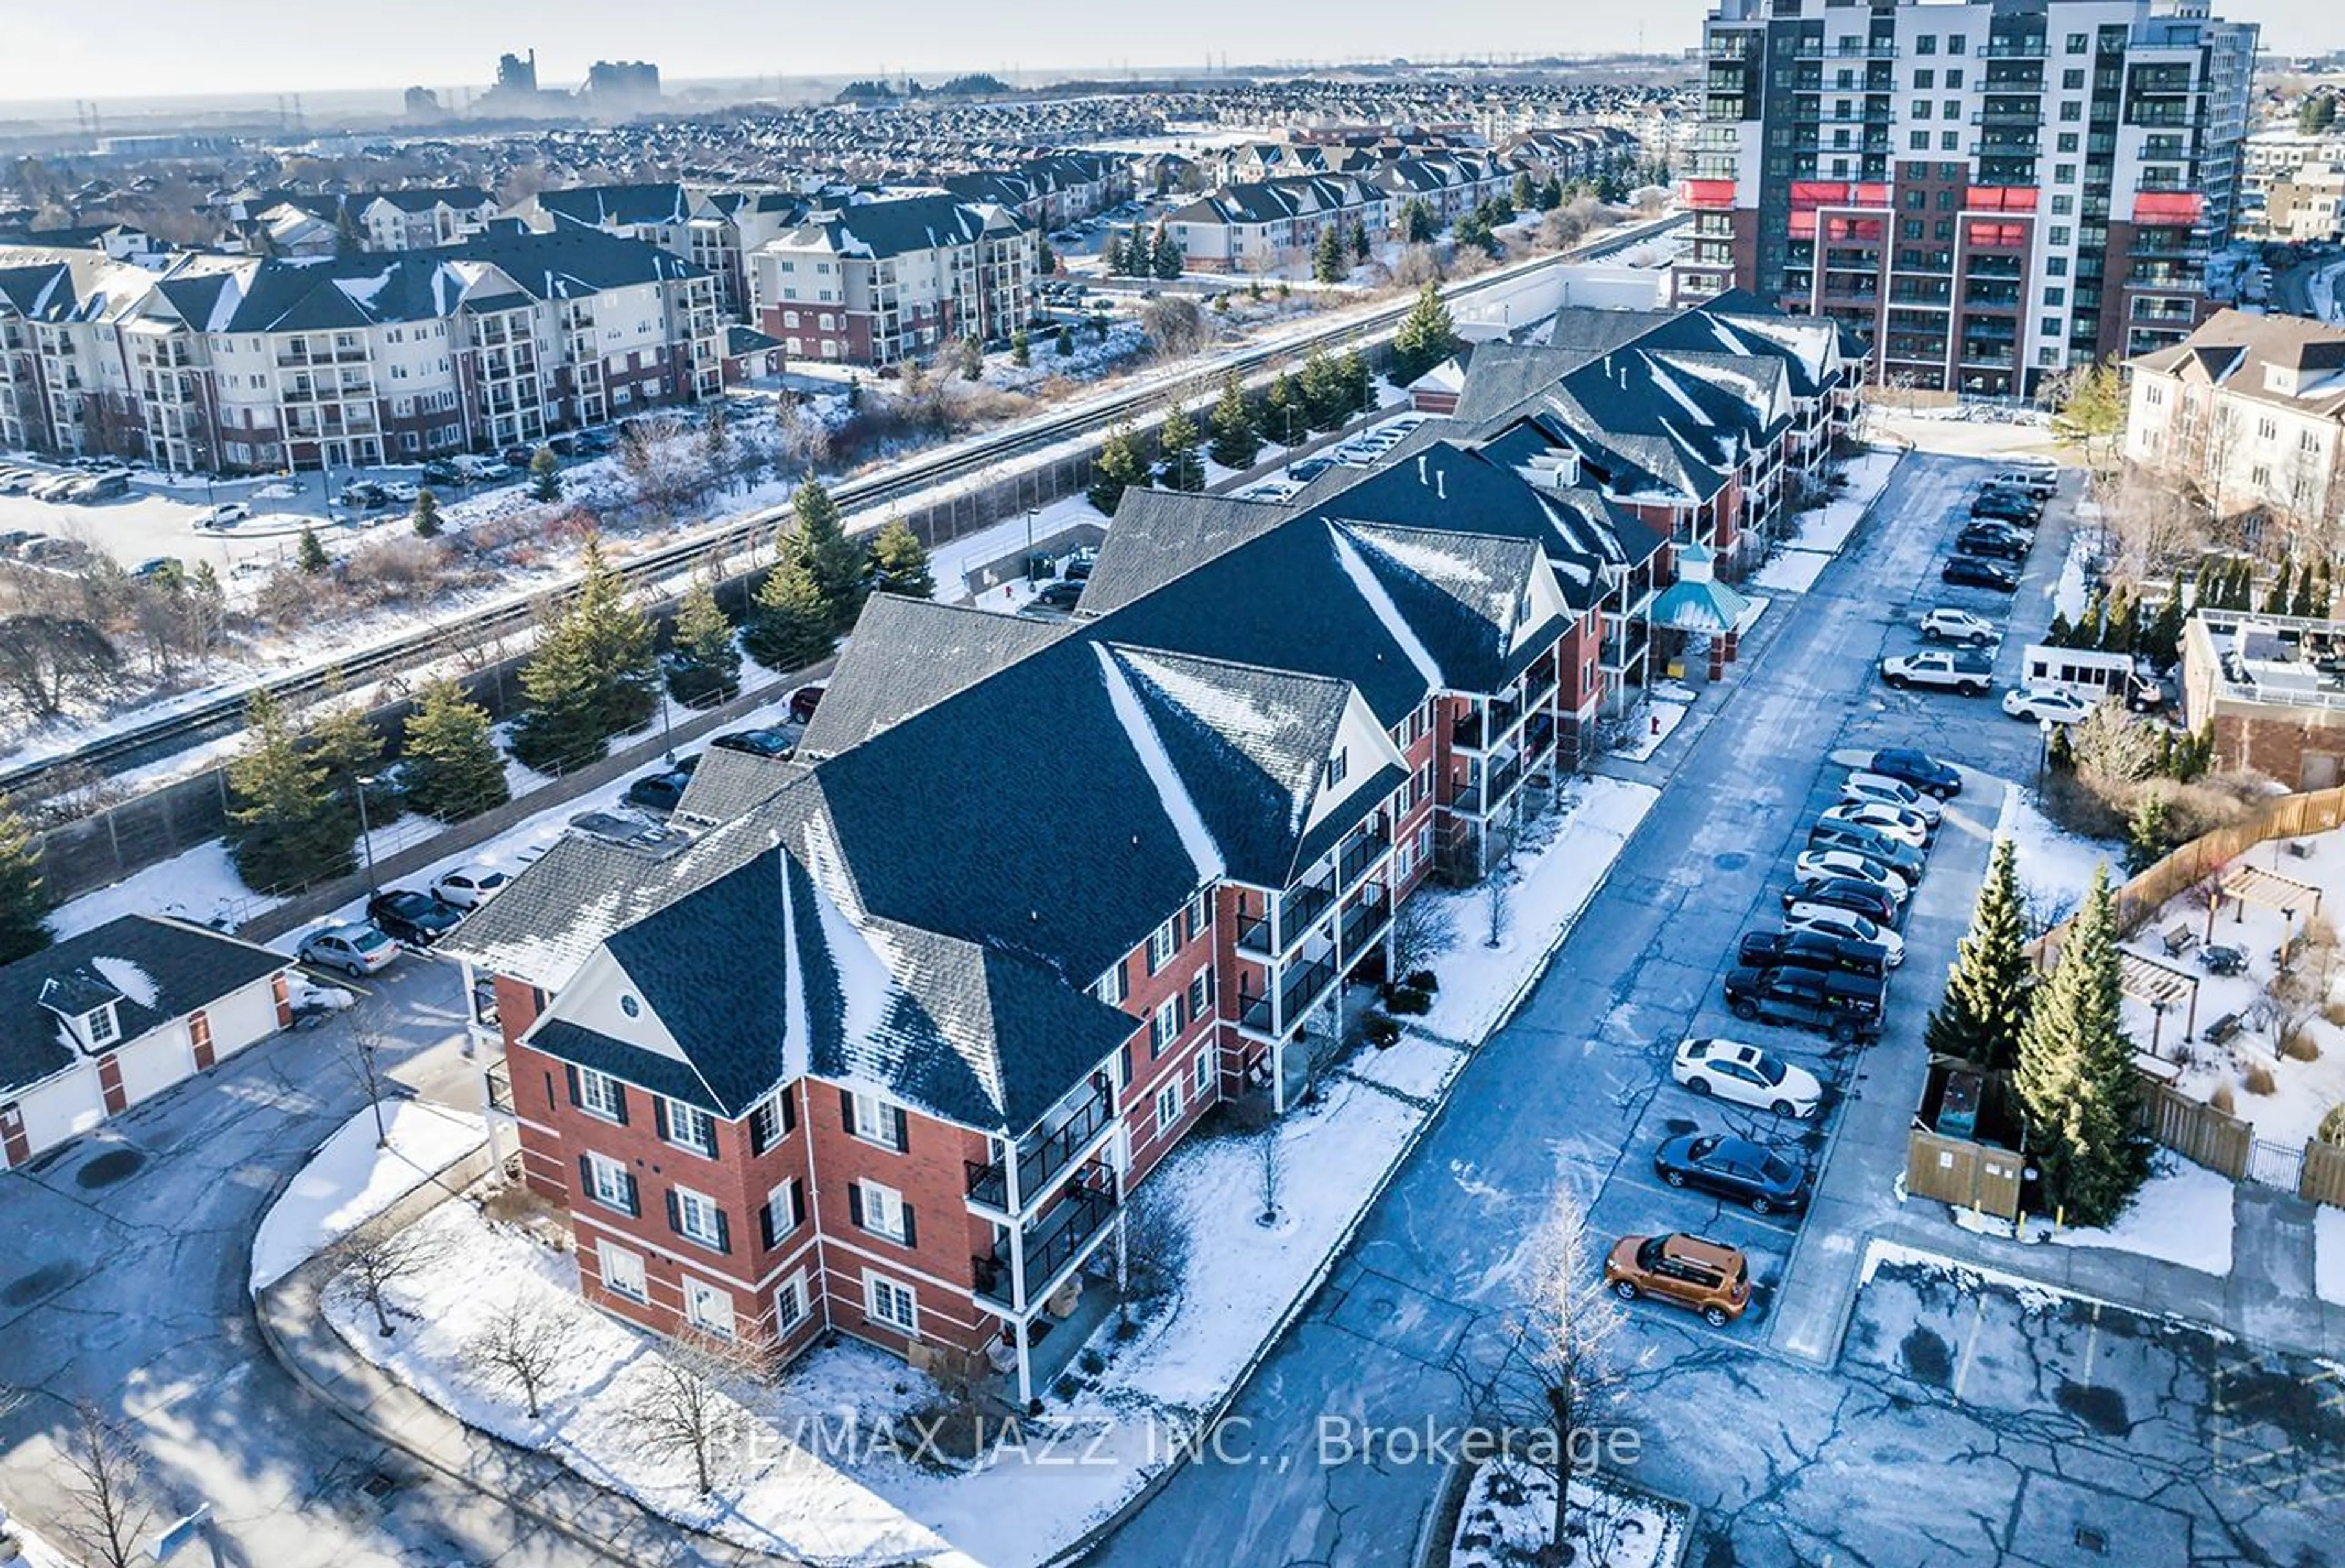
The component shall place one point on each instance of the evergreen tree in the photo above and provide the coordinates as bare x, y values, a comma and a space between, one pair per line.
1324, 396
346, 748
619, 640
345, 232
1066, 341
1116, 470
817, 541
311, 555
1526, 191
900, 562
1282, 411
1416, 222
2146, 831
2161, 638
286, 828
1236, 442
1329, 261
1474, 229
2060, 633
1170, 261
790, 626
1425, 336
427, 516
1046, 260
2076, 1076
972, 359
1984, 1007
24, 913
544, 475
1357, 381
451, 767
1111, 255
2089, 624
2276, 596
1551, 195
562, 727
2060, 756
704, 662
2300, 603
1022, 349
1362, 249
2202, 586
2121, 628
1176, 446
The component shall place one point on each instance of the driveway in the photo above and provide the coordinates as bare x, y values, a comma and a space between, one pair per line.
123, 1284
1784, 1442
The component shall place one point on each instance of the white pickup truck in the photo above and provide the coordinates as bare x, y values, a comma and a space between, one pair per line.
1969, 673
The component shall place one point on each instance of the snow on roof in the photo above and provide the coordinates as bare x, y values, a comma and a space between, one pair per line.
1347, 555
1187, 821
128, 978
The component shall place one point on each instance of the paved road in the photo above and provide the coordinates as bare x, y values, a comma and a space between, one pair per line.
1783, 1446
122, 1283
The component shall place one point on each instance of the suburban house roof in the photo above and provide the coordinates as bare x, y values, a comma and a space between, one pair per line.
2287, 362
617, 206
879, 230
152, 970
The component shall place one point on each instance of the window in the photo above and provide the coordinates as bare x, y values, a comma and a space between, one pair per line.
1201, 993
1163, 1028
874, 1122
790, 1302
1110, 987
2064, 205
1168, 1107
1337, 766
1198, 916
772, 1121
1954, 76
1927, 44
1921, 112
2055, 266
687, 1126
2079, 42
1918, 141
890, 1303
599, 1094
2059, 233
1205, 1078
708, 1307
2260, 476
1948, 141
2071, 112
2049, 326
1957, 43
1924, 80
1161, 943
2056, 296
1953, 110
784, 1211
2066, 141
623, 1272
882, 1211
2267, 430
609, 1183
695, 1217
102, 1026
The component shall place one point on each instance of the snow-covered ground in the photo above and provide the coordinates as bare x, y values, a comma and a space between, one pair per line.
1412, 1065
1655, 723
1508, 1518
351, 1178
1822, 533
200, 885
2183, 1215
2055, 867
2329, 1254
2069, 591
1478, 981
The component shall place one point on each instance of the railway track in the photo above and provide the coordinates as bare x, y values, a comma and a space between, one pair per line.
164, 736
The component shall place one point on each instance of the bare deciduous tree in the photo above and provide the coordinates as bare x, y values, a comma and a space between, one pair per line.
1422, 931
686, 1413
1554, 1368
1155, 1250
522, 1347
107, 1501
381, 1253
2113, 751
47, 661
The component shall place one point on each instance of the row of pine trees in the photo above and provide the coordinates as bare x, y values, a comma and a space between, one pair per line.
2059, 1038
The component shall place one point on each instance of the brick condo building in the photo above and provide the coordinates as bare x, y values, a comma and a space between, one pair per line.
884, 1046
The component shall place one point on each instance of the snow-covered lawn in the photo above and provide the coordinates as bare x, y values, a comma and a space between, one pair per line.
2068, 591
1655, 724
349, 1180
770, 1494
1412, 1064
2329, 1254
1508, 1518
1792, 571
1478, 981
200, 885
1827, 528
2183, 1215
2055, 867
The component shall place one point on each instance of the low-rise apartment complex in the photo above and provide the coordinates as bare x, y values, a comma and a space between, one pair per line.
239, 363
880, 282
2250, 411
884, 1046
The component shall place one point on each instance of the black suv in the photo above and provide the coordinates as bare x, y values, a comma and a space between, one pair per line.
1920, 769
1811, 950
2008, 505
415, 919
1976, 572
1845, 1006
1994, 539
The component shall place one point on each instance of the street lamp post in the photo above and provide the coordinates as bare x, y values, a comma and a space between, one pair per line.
366, 834
1030, 546
2042, 751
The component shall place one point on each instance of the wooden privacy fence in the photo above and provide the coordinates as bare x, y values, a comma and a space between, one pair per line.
2196, 1130
1965, 1174
2289, 816
2322, 1180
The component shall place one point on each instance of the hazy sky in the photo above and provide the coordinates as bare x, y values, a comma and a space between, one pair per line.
149, 47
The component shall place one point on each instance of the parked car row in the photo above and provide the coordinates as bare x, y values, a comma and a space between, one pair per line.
1994, 541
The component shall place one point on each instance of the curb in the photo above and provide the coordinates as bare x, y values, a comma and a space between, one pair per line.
1075, 1551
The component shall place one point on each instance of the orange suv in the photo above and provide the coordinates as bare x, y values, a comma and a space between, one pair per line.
1707, 1276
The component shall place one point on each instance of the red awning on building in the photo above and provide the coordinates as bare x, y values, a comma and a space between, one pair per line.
2001, 199
2167, 206
1708, 195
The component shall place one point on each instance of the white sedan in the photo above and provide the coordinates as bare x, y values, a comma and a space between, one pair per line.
2037, 702
1882, 790
1895, 822
470, 886
1847, 925
1825, 864
1730, 1070
227, 514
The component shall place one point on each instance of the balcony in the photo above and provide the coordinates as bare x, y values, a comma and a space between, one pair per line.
1364, 921
1300, 987
500, 1086
1360, 852
1051, 1245
1042, 1156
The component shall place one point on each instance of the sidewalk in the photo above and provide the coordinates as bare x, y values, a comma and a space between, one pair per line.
294, 1326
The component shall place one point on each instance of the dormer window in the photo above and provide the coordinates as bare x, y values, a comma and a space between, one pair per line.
101, 1026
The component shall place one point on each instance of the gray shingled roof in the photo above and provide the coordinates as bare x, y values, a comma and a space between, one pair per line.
909, 654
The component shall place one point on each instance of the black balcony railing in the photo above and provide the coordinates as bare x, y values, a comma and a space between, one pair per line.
500, 1077
1366, 921
1360, 853
1302, 905
1041, 1158
1052, 1244
1254, 935
1302, 986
